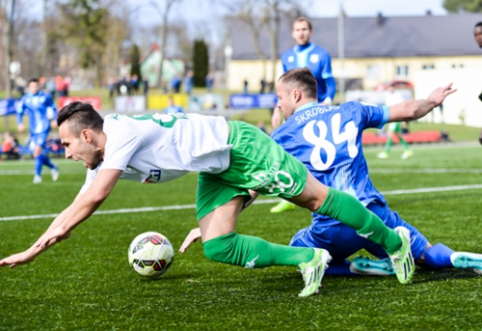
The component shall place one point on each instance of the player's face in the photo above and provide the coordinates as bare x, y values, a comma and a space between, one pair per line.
80, 148
301, 32
33, 87
478, 35
286, 102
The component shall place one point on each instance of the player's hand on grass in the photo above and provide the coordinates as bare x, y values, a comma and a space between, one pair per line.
193, 236
438, 95
18, 259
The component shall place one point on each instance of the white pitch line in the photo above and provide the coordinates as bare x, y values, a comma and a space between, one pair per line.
426, 170
258, 202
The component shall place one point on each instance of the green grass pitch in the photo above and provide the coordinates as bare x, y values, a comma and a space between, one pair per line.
85, 283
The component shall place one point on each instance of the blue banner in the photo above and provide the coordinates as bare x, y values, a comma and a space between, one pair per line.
8, 106
245, 101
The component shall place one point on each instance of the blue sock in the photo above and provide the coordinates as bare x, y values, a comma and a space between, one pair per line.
38, 165
438, 256
46, 161
339, 268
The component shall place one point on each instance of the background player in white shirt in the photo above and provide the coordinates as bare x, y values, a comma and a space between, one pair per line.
392, 98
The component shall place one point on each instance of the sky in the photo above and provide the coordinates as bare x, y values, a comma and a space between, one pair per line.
204, 9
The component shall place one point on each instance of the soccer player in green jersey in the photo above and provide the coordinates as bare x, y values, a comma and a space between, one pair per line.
231, 158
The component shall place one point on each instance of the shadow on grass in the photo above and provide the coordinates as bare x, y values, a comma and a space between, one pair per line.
443, 274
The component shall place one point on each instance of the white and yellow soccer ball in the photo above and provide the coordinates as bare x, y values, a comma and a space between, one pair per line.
150, 254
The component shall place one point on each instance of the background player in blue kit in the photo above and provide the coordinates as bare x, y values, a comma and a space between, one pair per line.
328, 141
41, 111
318, 61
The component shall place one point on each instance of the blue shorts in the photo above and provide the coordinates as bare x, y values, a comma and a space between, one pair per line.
38, 139
342, 241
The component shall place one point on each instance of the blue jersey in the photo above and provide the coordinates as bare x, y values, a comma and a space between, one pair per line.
318, 61
328, 140
173, 109
41, 110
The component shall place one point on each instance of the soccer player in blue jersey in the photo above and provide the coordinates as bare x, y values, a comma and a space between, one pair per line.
41, 111
318, 61
172, 108
328, 141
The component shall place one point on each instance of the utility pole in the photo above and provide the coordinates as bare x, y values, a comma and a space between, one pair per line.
9, 40
341, 51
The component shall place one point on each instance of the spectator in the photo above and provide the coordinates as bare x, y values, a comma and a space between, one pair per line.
176, 84
67, 82
60, 85
172, 108
209, 82
10, 147
189, 82
145, 86
51, 88
135, 84
111, 85
263, 86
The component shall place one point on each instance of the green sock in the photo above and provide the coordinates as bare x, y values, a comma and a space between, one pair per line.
253, 252
388, 145
404, 144
348, 210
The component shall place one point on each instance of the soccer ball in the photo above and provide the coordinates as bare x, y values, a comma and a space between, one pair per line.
150, 254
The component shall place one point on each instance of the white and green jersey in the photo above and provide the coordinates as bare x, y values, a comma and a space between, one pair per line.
160, 147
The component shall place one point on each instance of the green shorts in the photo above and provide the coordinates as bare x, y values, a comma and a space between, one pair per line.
256, 163
395, 127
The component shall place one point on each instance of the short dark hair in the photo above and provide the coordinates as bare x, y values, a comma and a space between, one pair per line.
303, 19
303, 79
80, 115
33, 80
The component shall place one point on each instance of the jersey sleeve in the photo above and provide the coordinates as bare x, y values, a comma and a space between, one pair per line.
88, 180
51, 108
326, 67
122, 143
373, 116
20, 110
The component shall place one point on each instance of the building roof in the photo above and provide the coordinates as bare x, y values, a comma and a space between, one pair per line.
450, 35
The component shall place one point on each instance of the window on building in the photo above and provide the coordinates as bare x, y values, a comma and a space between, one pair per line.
428, 67
373, 72
402, 71
457, 66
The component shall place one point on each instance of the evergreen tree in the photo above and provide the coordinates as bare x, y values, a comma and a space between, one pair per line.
135, 61
200, 63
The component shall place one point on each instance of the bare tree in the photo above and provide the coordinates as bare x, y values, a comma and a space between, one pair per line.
9, 46
163, 11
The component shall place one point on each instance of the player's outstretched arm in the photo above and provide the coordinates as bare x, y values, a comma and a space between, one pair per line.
82, 207
193, 236
413, 109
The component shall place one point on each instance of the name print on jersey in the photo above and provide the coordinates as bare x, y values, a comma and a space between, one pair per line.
306, 115
320, 141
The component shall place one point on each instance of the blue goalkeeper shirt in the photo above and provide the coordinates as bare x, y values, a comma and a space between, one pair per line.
318, 61
328, 140
40, 109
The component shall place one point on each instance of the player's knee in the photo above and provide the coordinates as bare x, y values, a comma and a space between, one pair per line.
438, 256
218, 249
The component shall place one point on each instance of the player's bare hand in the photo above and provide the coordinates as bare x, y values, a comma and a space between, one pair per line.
193, 236
21, 127
18, 259
53, 124
438, 95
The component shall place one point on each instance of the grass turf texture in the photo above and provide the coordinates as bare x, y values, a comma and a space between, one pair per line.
84, 283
